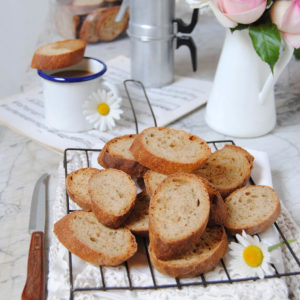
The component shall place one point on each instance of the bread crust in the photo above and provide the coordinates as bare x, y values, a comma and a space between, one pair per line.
60, 60
108, 159
218, 211
150, 189
88, 28
83, 200
103, 215
189, 268
139, 213
256, 227
114, 28
160, 164
164, 247
108, 219
64, 232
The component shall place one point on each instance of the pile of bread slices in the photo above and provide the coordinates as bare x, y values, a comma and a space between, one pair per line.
189, 196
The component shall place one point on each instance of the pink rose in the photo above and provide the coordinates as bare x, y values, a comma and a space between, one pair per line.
286, 15
242, 11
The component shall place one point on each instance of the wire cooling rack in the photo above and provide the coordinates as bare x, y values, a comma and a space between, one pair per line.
201, 280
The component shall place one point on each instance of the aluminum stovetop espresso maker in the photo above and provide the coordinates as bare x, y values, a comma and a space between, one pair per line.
153, 32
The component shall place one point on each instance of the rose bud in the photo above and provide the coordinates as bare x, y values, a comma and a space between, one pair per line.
243, 11
286, 15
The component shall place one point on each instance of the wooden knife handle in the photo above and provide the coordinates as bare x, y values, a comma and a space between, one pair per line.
35, 283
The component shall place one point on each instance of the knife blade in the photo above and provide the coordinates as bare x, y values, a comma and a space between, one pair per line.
35, 282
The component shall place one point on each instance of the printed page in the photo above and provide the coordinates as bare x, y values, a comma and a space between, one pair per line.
24, 112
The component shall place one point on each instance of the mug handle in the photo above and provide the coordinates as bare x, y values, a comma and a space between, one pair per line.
272, 78
111, 87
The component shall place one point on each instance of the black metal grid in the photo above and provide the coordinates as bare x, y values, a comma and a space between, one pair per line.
199, 280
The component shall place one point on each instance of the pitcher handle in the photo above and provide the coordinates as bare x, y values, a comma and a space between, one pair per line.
272, 78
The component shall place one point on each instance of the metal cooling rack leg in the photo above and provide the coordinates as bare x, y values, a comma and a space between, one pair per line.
149, 263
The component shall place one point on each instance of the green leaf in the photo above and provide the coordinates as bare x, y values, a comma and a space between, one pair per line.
266, 41
297, 53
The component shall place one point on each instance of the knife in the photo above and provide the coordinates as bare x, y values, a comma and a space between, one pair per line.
35, 282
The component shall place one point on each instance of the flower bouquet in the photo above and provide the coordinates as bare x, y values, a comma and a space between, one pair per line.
260, 39
268, 21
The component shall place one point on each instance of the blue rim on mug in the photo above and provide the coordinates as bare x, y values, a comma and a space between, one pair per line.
75, 79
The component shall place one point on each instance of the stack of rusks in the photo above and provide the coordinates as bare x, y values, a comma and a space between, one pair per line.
191, 199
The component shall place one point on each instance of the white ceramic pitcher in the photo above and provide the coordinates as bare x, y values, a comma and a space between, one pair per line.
241, 103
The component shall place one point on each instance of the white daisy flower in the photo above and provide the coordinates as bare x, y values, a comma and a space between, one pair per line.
102, 109
250, 257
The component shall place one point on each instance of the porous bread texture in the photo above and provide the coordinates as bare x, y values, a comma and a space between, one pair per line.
201, 258
58, 55
253, 208
138, 221
152, 180
83, 235
116, 154
77, 186
217, 214
178, 215
227, 169
168, 151
113, 195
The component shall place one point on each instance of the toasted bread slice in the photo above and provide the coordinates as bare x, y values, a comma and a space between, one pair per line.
168, 151
100, 25
116, 154
58, 55
77, 186
218, 213
138, 221
227, 169
152, 180
201, 258
178, 215
113, 195
83, 235
253, 208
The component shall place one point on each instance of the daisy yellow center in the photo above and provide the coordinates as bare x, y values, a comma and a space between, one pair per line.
103, 109
253, 256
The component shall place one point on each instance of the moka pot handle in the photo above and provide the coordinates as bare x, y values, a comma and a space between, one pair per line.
187, 28
188, 41
185, 39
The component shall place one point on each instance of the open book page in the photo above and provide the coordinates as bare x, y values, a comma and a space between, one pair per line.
25, 112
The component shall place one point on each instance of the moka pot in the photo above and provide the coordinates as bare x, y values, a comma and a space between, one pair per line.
153, 36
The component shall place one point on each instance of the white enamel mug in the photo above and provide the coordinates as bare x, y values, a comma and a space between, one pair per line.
64, 96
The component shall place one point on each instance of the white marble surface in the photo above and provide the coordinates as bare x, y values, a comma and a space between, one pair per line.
22, 160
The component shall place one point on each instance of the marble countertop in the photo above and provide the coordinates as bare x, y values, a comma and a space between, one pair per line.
23, 160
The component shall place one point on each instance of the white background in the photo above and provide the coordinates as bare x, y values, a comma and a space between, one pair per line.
21, 23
